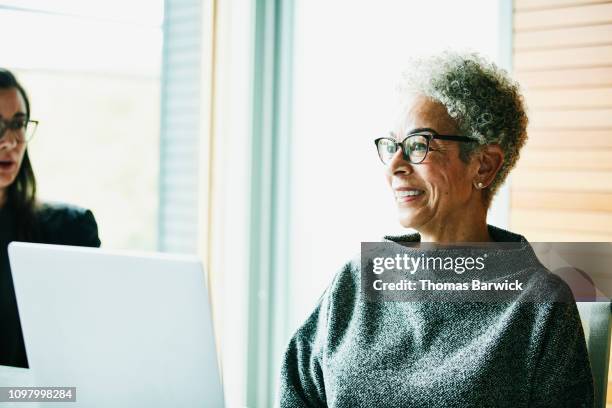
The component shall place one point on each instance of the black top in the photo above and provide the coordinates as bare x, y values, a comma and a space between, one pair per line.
57, 224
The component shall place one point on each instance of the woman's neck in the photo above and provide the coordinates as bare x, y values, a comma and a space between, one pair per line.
465, 226
478, 234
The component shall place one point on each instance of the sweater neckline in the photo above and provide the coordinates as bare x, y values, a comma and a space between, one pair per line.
498, 235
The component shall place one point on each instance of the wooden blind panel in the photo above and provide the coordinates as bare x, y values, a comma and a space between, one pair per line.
583, 221
569, 98
559, 235
566, 180
523, 5
562, 187
563, 17
584, 57
566, 200
566, 78
564, 37
572, 119
551, 159
566, 139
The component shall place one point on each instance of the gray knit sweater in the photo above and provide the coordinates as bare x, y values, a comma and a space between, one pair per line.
354, 353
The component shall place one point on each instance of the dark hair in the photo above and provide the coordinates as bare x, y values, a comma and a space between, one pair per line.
21, 194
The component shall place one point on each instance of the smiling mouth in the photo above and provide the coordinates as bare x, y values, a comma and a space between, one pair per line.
404, 196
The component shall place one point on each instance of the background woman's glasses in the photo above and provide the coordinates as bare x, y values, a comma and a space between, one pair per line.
22, 129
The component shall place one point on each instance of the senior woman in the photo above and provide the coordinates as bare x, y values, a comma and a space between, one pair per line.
454, 144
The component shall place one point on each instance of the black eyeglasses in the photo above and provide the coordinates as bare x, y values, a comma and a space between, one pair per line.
415, 146
22, 128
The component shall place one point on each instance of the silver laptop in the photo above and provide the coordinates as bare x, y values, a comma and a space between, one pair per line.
125, 329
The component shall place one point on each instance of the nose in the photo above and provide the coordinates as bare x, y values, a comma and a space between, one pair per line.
7, 141
398, 165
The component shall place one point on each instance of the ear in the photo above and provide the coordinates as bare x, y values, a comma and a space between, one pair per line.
490, 160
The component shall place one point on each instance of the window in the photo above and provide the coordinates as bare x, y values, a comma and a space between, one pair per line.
348, 59
92, 73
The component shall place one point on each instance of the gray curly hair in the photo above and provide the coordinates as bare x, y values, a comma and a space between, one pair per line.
482, 99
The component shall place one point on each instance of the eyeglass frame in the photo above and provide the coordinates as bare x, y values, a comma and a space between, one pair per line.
429, 135
5, 126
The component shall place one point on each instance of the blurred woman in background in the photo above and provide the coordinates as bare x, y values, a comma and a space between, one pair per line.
22, 216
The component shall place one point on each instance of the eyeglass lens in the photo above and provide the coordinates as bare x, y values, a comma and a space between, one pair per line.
415, 147
22, 129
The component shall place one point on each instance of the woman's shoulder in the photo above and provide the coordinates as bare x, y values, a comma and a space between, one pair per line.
66, 224
50, 211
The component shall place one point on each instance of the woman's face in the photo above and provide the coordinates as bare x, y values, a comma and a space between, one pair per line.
12, 106
443, 182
